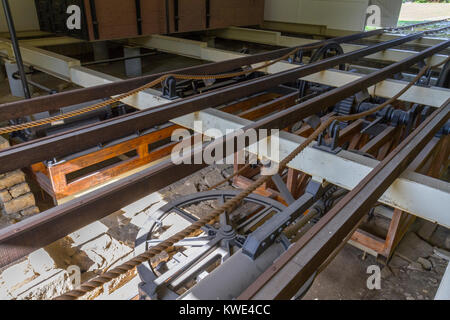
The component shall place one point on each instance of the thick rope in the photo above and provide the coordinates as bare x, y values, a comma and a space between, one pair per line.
236, 173
228, 206
49, 120
154, 83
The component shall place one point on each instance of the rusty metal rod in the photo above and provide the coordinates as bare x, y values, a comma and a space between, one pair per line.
16, 48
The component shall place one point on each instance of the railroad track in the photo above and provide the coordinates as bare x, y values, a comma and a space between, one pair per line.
25, 237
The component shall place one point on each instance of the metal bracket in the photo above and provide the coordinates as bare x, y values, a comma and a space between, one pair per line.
425, 80
398, 76
372, 124
147, 291
269, 232
297, 59
170, 89
313, 121
421, 64
333, 131
445, 130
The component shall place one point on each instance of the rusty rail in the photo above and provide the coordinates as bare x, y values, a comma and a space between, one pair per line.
57, 101
77, 140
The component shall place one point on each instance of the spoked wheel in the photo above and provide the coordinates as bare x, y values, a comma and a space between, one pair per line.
330, 50
190, 260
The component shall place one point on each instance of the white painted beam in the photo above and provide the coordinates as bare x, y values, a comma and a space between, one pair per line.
49, 41
143, 100
430, 96
69, 69
324, 31
277, 39
417, 194
433, 96
45, 61
425, 41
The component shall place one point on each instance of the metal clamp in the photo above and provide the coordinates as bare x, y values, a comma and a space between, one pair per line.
170, 88
333, 132
269, 232
298, 58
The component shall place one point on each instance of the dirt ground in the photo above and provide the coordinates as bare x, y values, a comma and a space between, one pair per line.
424, 11
402, 279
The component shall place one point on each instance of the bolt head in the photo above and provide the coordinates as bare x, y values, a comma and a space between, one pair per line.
227, 228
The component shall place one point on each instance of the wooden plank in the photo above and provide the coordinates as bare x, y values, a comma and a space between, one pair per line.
236, 13
368, 240
58, 174
153, 17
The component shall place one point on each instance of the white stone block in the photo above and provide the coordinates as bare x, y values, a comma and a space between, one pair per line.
41, 262
88, 233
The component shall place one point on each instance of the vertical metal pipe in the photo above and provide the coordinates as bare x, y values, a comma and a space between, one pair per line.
167, 17
16, 48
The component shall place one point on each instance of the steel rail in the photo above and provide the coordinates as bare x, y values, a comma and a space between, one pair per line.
306, 255
99, 282
73, 97
438, 30
420, 24
283, 119
77, 140
36, 232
